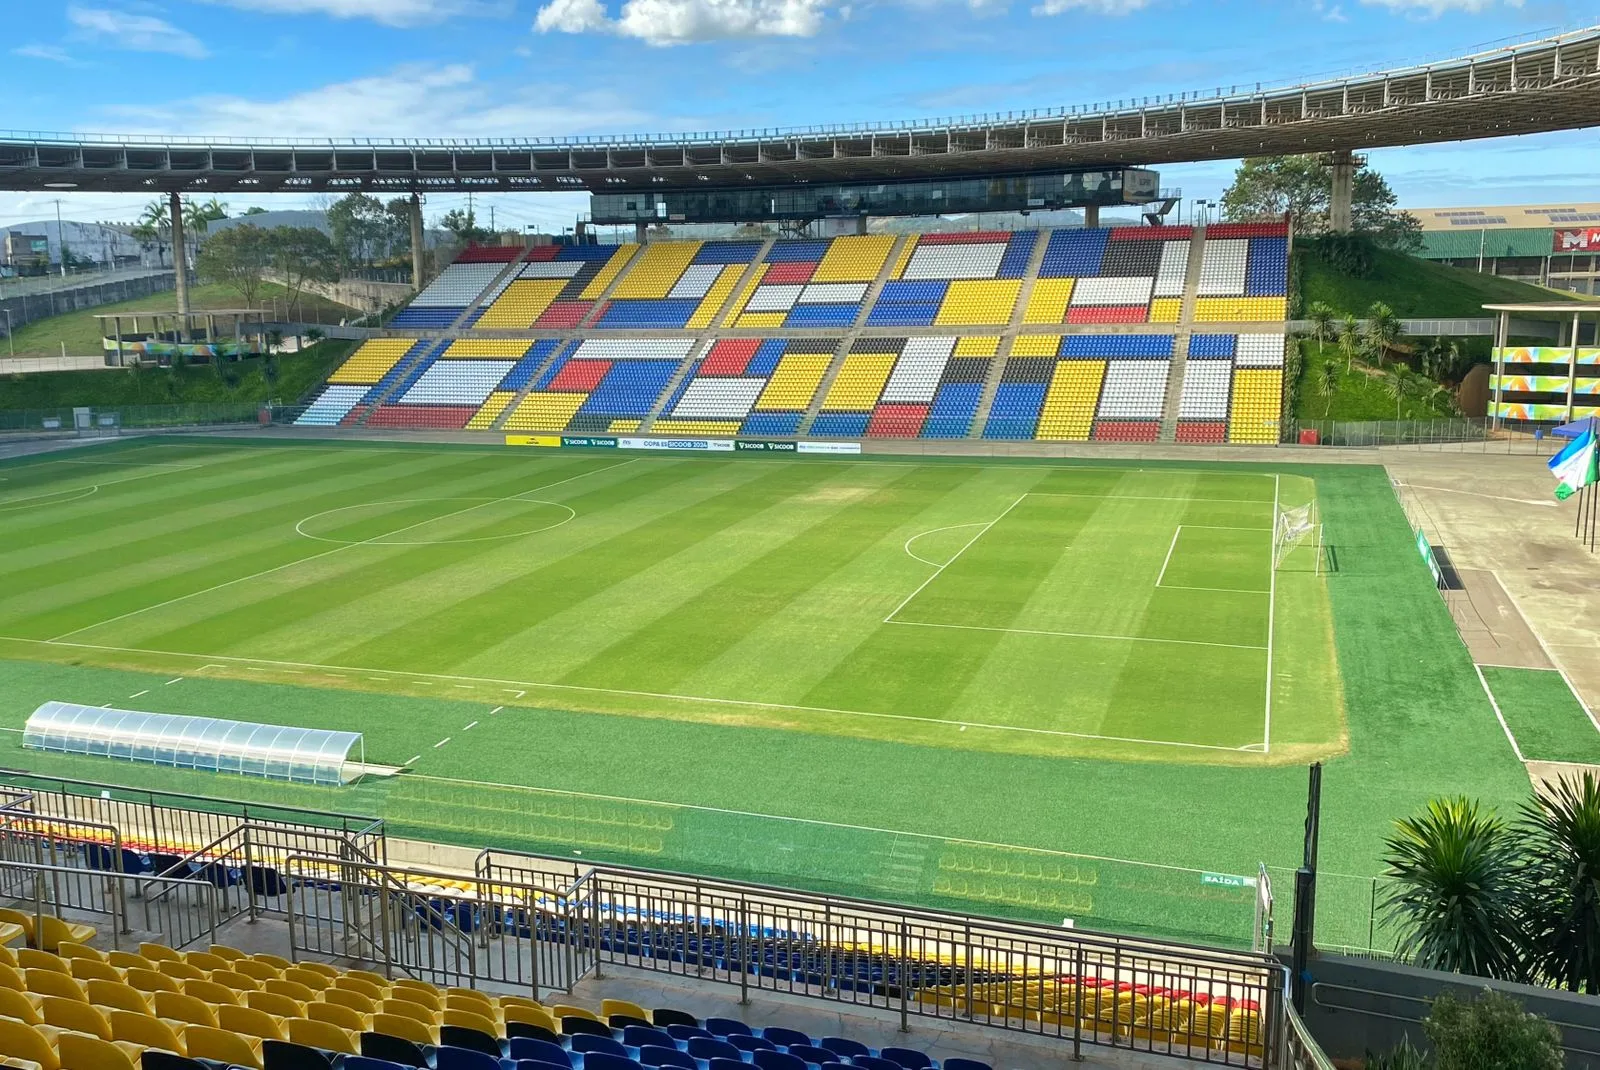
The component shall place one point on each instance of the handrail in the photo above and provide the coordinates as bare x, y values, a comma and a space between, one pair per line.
118, 911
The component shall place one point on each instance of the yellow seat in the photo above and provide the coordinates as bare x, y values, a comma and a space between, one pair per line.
32, 959
79, 1052
182, 1007
297, 992
12, 933
206, 1042
23, 1040
330, 972
322, 1035
50, 983
79, 1017
260, 971
206, 961
160, 953
565, 1010
56, 932
434, 993
405, 1008
23, 1006
468, 1020
236, 981
472, 994
251, 1022
129, 960
94, 970
150, 1032
369, 977
20, 920
421, 999
361, 985
116, 995
151, 981
608, 1007
339, 1015
354, 1000
211, 992
275, 961
309, 978
523, 1001
405, 1028
181, 970
515, 1012
232, 954
17, 1062
275, 1003
69, 950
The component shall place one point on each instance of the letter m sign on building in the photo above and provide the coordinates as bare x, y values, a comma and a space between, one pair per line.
1581, 240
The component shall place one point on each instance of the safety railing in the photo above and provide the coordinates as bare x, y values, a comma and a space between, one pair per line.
1299, 1051
177, 912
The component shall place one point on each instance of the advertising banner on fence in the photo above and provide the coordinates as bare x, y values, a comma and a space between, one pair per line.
762, 445
1426, 550
1577, 239
829, 447
717, 445
551, 441
589, 442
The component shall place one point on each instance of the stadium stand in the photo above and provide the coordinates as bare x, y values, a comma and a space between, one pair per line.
845, 313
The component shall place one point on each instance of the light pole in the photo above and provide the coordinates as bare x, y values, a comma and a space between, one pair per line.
11, 345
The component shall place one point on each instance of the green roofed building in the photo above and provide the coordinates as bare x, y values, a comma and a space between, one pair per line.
1548, 245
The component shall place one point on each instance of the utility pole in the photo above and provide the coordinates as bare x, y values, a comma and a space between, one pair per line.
61, 239
491, 219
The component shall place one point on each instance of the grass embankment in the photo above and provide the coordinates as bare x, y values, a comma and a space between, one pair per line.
1412, 287
81, 333
1362, 392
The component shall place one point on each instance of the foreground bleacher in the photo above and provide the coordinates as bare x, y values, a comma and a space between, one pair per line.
1128, 334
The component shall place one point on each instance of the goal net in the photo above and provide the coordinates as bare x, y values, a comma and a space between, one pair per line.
1294, 527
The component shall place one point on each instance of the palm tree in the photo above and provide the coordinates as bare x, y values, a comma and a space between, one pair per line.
1327, 384
1454, 891
1396, 389
1321, 316
153, 221
1560, 831
1349, 340
1383, 330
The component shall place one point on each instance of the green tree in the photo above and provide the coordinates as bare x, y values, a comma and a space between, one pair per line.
357, 223
397, 227
1492, 1031
154, 227
1560, 833
1454, 890
1267, 187
464, 225
1321, 314
1382, 331
303, 255
255, 209
237, 258
1349, 340
1327, 384
1396, 389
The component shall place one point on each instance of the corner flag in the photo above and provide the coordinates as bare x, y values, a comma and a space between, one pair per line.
1574, 467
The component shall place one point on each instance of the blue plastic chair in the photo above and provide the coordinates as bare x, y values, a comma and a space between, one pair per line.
590, 1043
539, 1051
727, 1064
540, 1064
966, 1064
722, 1027
448, 1058
684, 1033
655, 1055
784, 1037
778, 1060
844, 1046
751, 1043
604, 1060
815, 1056
366, 1062
910, 1058
637, 1036
710, 1048
873, 1062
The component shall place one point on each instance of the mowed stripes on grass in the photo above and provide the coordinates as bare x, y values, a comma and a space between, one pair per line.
1048, 609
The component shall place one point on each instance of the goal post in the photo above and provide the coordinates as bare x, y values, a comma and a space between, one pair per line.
1294, 526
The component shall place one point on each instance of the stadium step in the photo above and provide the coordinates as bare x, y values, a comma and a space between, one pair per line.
400, 374
875, 288
997, 367
591, 316
901, 867
509, 273
824, 386
511, 406
1180, 344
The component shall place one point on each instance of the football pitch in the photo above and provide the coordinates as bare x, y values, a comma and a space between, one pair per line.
1031, 688
1032, 609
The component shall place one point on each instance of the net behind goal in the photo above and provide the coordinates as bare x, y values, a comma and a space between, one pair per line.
1293, 527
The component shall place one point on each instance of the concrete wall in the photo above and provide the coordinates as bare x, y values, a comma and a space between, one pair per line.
26, 308
1361, 1005
359, 293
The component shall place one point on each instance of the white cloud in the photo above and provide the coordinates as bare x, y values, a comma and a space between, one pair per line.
571, 16
1094, 7
387, 12
676, 22
410, 101
1439, 7
50, 53
135, 33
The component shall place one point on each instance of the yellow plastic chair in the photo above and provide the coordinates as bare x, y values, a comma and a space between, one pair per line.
260, 971
110, 995
276, 1004
405, 1028
315, 1034
566, 1010
368, 976
330, 972
434, 993
160, 953
297, 992
354, 1000
236, 981
78, 1017
516, 1012
309, 978
214, 994
222, 1046
251, 1022
277, 962
23, 1006
468, 1020
608, 1007
420, 1000
206, 961
339, 1015
69, 950
32, 959
182, 1007
129, 960
20, 920
151, 981
374, 992
181, 970
407, 1009
11, 933
50, 983
93, 970
12, 978
23, 1040
56, 932
147, 1031
79, 1052
467, 994
522, 1001
232, 954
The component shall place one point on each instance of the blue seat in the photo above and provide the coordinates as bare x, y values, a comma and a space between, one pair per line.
398, 1050
656, 1055
835, 1066
156, 1059
778, 1060
686, 1033
605, 1060
910, 1058
540, 1064
539, 1051
722, 1027
727, 1064
282, 1055
965, 1064
844, 1046
589, 1043
751, 1043
572, 1025
637, 1036
711, 1048
816, 1056
873, 1062
351, 1062
451, 1058
458, 1036
669, 1016
784, 1037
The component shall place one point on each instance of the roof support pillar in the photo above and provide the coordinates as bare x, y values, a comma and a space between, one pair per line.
1344, 172
416, 242
180, 256
1091, 215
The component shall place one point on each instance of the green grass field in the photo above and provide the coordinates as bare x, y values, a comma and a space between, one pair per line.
1549, 722
972, 684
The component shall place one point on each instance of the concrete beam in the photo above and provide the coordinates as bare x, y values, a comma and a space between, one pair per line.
1344, 174
416, 242
180, 257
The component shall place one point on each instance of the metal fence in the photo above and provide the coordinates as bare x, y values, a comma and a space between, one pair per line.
109, 418
1454, 434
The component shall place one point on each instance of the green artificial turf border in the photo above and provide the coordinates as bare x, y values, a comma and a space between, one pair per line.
1547, 719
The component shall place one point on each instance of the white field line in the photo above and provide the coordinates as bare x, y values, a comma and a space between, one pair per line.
933, 531
136, 694
326, 553
961, 841
1173, 545
1079, 635
1148, 497
939, 570
1541, 503
528, 685
1272, 611
81, 492
1548, 653
1214, 590
1225, 527
1498, 715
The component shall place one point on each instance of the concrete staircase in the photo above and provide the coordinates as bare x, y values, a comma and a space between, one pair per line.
997, 368
1180, 345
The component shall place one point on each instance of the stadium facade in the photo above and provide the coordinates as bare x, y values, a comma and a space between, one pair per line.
1554, 245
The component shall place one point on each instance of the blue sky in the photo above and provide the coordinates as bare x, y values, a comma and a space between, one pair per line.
327, 68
